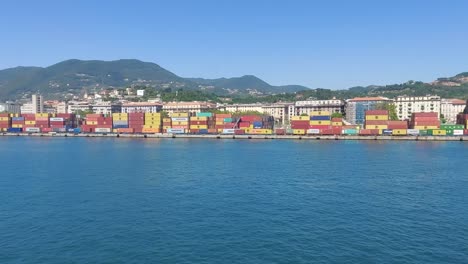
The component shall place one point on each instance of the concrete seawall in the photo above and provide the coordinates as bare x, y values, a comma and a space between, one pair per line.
279, 137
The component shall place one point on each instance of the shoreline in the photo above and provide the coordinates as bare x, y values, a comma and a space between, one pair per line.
247, 137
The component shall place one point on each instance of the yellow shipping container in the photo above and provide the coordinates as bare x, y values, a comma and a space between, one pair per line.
151, 130
91, 123
120, 116
320, 123
42, 115
261, 131
166, 127
180, 115
153, 126
14, 115
376, 117
439, 132
167, 120
152, 114
425, 127
198, 127
377, 127
199, 118
299, 131
30, 122
300, 118
17, 126
401, 132
337, 124
320, 113
219, 122
180, 123
4, 119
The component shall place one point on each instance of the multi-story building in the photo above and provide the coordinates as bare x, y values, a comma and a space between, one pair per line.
306, 107
107, 108
10, 107
61, 108
356, 108
450, 108
77, 106
279, 111
243, 108
142, 107
406, 105
191, 107
35, 106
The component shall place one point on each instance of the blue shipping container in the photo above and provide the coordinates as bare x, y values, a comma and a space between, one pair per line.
77, 130
120, 126
228, 120
203, 131
320, 118
17, 118
387, 131
14, 130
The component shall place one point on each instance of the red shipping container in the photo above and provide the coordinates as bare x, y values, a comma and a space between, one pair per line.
195, 123
194, 131
46, 129
431, 114
426, 123
465, 132
251, 118
280, 131
376, 112
319, 127
222, 116
337, 119
244, 124
300, 126
94, 115
181, 127
304, 122
125, 130
424, 119
239, 132
229, 125
4, 114
376, 122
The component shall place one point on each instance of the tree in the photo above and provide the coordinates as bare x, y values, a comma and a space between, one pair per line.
391, 108
337, 115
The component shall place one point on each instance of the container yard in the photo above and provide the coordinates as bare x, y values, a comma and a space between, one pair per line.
318, 124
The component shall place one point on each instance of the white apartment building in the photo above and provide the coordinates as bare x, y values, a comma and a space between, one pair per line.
36, 105
106, 108
141, 107
191, 107
76, 106
61, 108
450, 108
406, 105
10, 107
308, 106
243, 108
279, 111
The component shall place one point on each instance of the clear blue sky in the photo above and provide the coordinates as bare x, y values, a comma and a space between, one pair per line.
329, 44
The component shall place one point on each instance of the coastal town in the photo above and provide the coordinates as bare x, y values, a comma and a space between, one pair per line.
404, 115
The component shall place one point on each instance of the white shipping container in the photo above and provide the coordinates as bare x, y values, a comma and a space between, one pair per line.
413, 132
180, 119
102, 130
33, 130
175, 130
57, 119
458, 132
228, 131
313, 131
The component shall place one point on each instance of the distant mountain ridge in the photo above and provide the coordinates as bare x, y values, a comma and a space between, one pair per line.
73, 75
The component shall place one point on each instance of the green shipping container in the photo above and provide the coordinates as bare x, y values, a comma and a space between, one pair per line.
449, 132
425, 132
204, 114
227, 120
350, 132
451, 126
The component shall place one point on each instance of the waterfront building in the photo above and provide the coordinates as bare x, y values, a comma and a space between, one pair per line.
450, 108
279, 111
356, 108
406, 105
10, 107
141, 107
34, 107
309, 106
233, 108
76, 106
191, 107
106, 108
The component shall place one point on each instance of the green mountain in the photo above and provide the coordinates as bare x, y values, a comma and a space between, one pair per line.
248, 83
74, 76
